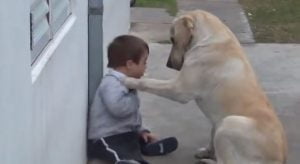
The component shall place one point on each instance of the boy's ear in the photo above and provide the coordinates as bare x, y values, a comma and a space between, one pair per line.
129, 63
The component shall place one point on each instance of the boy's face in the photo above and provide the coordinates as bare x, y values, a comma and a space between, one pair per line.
137, 70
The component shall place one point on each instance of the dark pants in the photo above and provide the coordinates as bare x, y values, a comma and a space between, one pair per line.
125, 146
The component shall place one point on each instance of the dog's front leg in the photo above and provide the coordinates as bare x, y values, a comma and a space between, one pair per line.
171, 89
209, 151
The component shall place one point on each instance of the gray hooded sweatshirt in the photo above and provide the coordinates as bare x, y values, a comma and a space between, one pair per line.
115, 108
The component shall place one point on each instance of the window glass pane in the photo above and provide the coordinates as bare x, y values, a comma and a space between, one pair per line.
39, 27
60, 10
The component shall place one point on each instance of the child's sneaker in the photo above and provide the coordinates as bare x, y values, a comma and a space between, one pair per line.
160, 147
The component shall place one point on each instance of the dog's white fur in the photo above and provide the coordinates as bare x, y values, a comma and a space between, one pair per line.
215, 72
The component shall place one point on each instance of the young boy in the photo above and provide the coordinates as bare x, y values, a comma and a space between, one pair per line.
115, 131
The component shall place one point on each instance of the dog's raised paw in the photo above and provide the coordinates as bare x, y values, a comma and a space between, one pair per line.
131, 83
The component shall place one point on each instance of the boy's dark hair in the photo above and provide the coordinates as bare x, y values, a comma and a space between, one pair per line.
124, 48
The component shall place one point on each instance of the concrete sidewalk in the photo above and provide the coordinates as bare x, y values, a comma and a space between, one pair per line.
278, 69
153, 24
229, 11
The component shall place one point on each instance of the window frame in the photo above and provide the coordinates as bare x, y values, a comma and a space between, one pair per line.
38, 47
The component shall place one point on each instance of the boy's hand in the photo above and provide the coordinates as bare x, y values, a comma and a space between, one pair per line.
148, 137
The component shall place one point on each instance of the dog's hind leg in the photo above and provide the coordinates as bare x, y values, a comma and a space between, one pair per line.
237, 141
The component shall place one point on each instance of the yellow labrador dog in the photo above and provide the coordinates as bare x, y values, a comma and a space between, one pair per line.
214, 71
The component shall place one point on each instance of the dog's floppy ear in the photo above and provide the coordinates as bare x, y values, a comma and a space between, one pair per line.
188, 22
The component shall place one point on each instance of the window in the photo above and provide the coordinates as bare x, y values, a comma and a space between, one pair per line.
46, 17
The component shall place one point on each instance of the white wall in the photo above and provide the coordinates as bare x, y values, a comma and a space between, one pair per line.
116, 21
15, 84
60, 94
42, 108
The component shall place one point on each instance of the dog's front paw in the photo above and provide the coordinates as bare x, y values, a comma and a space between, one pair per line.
204, 153
206, 161
133, 83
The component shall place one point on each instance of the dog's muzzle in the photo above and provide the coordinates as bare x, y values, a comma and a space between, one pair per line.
172, 66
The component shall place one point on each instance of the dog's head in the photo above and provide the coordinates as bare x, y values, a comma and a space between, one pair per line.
181, 35
191, 28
